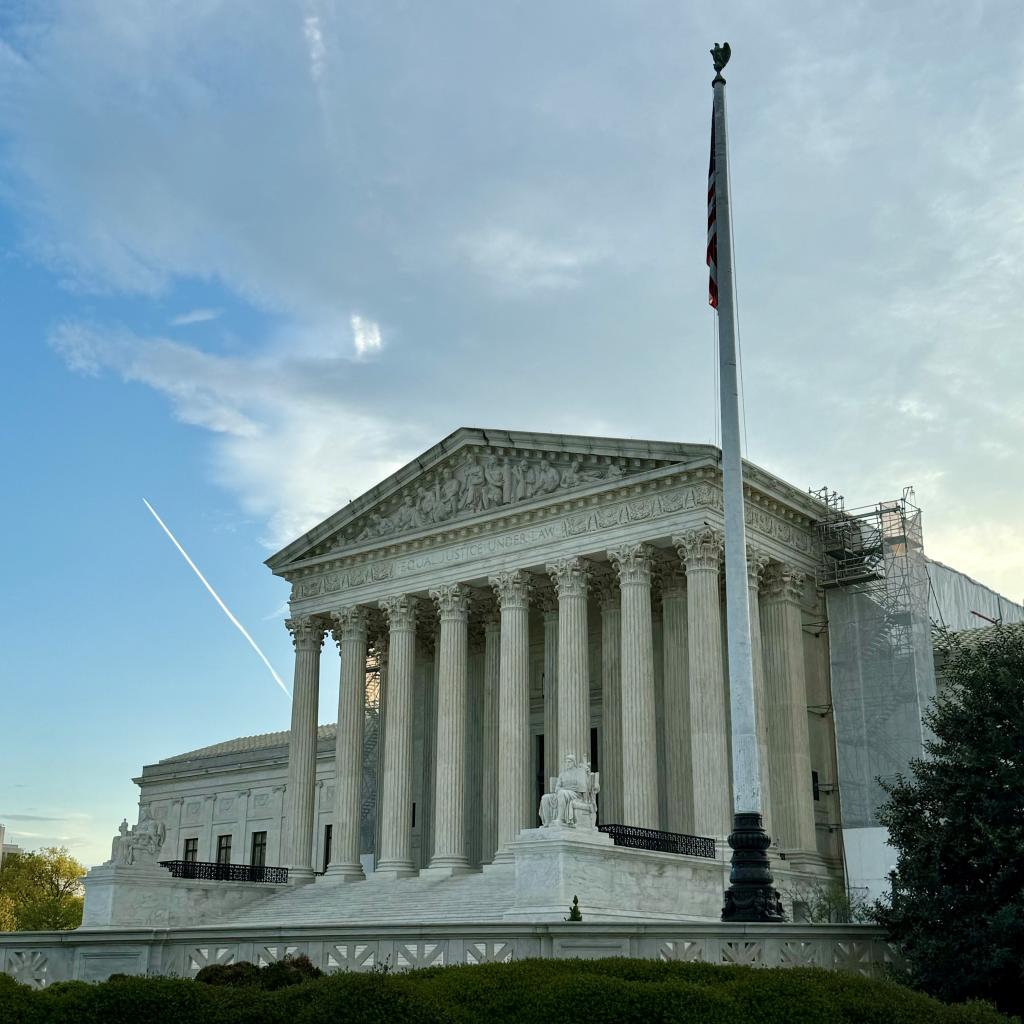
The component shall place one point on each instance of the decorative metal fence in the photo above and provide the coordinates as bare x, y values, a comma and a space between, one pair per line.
663, 842
225, 872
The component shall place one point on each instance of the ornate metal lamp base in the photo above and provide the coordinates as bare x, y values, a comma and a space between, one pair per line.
751, 896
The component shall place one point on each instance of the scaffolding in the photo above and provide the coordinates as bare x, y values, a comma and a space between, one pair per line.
372, 752
875, 579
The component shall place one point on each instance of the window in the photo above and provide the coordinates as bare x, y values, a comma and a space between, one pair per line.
223, 849
815, 788
593, 750
190, 853
259, 850
328, 835
541, 785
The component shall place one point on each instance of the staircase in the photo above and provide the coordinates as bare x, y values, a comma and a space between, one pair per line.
475, 897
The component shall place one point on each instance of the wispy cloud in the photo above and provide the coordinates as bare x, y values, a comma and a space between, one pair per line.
365, 336
195, 316
286, 440
516, 262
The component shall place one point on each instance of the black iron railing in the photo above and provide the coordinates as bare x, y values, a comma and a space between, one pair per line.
663, 842
225, 872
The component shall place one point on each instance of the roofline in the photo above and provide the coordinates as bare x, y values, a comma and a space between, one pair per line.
640, 448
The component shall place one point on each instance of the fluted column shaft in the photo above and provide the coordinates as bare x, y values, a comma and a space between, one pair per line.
395, 790
789, 757
571, 576
549, 608
611, 705
350, 635
492, 664
757, 562
307, 638
678, 753
449, 794
639, 726
701, 551
515, 807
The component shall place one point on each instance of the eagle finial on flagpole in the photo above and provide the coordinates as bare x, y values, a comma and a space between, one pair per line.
720, 54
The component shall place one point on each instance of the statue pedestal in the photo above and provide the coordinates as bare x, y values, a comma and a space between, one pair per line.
148, 896
555, 863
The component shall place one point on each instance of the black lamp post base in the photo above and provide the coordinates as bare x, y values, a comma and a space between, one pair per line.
751, 895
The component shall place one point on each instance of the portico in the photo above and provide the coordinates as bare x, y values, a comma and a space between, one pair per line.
515, 580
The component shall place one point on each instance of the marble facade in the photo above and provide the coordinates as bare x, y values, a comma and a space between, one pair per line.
598, 560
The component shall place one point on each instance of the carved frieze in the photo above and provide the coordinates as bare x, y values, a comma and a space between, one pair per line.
661, 504
478, 480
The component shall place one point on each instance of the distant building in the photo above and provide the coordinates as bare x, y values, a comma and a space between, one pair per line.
7, 848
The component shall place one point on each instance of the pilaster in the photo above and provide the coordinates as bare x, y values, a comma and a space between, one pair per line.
678, 752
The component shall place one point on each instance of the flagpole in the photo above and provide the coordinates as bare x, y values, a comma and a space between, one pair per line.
750, 896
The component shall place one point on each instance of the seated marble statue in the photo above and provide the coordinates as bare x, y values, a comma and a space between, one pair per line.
141, 844
573, 796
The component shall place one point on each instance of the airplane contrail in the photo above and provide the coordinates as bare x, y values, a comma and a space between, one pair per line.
216, 597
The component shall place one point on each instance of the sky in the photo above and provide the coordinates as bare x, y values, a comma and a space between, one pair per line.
255, 257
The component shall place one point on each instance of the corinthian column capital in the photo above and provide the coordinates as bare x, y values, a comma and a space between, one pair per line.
784, 582
757, 563
632, 563
452, 601
307, 633
701, 548
400, 611
511, 588
349, 624
570, 576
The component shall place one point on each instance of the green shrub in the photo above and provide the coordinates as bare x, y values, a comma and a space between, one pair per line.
525, 992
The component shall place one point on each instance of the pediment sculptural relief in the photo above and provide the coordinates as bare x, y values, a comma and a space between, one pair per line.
482, 480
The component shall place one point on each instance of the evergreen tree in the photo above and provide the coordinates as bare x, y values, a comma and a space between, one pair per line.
957, 902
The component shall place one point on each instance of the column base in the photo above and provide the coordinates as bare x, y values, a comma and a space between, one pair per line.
392, 871
751, 895
447, 868
345, 873
301, 876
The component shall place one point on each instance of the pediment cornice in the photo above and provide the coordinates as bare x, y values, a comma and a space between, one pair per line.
474, 480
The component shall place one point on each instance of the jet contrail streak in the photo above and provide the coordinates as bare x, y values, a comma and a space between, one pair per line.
215, 596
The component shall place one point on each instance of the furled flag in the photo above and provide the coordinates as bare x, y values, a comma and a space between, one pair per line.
712, 227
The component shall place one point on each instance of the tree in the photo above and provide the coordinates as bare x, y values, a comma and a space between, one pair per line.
41, 891
957, 903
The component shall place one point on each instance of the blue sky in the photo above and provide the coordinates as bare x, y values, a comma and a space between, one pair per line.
253, 257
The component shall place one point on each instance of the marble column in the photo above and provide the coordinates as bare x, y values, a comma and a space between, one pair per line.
571, 577
492, 663
676, 709
395, 788
515, 807
701, 552
350, 635
757, 562
449, 856
548, 602
789, 759
307, 638
639, 727
610, 799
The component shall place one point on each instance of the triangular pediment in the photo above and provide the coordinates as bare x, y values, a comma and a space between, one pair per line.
479, 474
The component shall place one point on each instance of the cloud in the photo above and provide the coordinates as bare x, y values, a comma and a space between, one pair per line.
195, 316
285, 439
365, 336
519, 263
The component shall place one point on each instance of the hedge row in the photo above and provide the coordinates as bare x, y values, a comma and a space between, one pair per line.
525, 992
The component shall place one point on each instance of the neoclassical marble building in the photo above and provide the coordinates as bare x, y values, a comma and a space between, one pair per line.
578, 577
